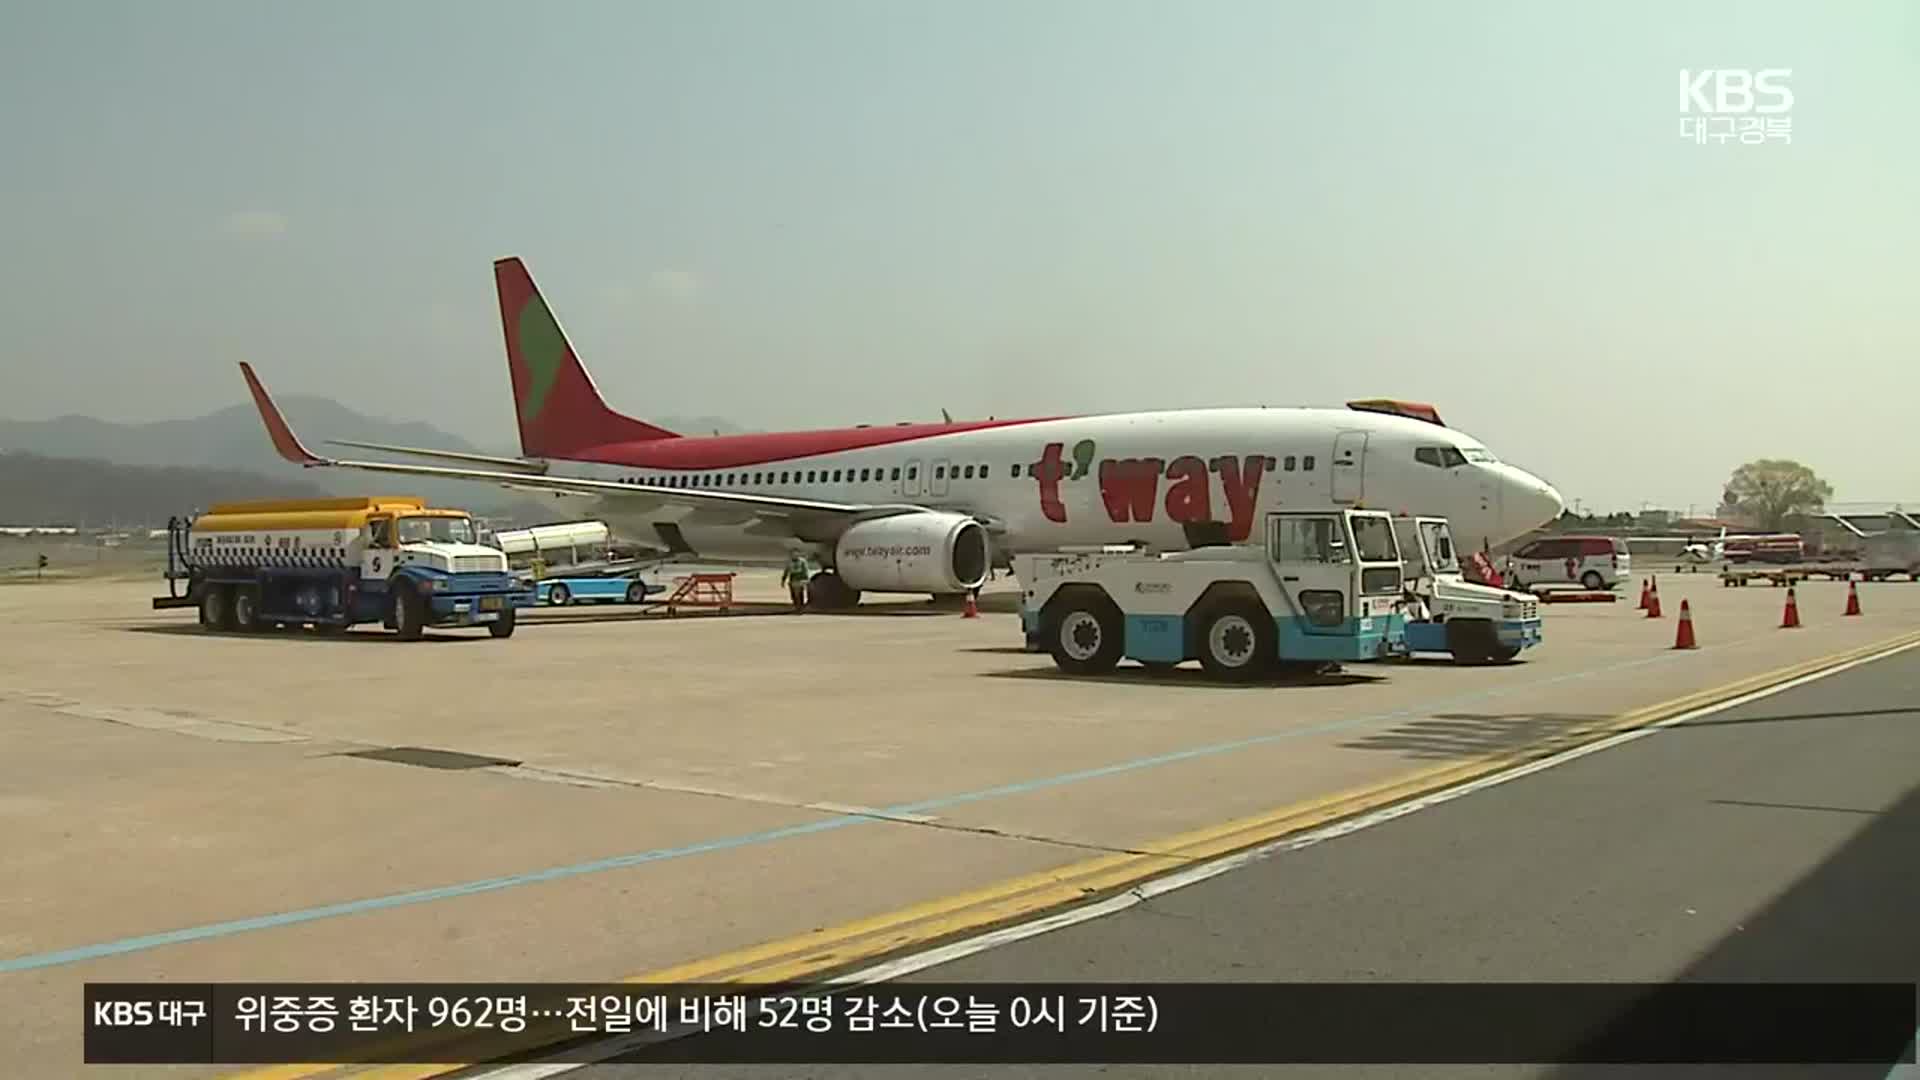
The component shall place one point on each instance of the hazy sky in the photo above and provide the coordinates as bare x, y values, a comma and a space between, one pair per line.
796, 213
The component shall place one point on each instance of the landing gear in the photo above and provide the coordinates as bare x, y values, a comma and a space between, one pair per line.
826, 592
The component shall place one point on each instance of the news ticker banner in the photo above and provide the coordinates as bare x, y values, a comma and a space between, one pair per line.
1001, 1023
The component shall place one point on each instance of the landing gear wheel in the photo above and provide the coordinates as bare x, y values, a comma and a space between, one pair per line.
826, 591
503, 626
216, 607
246, 609
559, 595
409, 614
1084, 637
1592, 581
1237, 643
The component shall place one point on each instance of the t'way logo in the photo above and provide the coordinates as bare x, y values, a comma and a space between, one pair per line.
1130, 487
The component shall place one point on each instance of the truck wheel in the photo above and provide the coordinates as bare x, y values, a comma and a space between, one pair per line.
1592, 580
503, 626
1470, 641
559, 595
216, 608
246, 609
1237, 643
636, 593
409, 613
1086, 637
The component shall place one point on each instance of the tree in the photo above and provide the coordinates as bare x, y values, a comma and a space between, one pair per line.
1771, 490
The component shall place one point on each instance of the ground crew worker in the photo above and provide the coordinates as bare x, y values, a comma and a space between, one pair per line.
795, 579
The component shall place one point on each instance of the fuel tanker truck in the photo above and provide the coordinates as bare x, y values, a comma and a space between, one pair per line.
331, 563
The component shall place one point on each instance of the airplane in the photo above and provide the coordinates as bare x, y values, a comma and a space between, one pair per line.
1699, 554
929, 508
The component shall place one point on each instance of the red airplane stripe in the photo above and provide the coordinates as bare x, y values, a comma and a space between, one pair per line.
735, 451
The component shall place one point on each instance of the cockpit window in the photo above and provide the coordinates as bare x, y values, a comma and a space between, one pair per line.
1445, 457
1477, 454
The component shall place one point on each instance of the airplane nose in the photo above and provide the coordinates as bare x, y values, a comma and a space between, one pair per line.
1530, 502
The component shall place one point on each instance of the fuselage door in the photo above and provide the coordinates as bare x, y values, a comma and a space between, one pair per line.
1349, 466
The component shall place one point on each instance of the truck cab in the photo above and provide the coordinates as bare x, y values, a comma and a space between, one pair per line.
436, 555
1323, 586
1446, 613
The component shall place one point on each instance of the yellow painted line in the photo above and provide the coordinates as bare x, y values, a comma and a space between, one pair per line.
837, 948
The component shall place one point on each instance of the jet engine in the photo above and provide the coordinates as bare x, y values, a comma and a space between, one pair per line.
929, 551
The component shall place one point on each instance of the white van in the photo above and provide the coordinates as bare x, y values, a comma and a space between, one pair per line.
1590, 562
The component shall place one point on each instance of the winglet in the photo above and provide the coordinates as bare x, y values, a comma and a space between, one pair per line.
284, 440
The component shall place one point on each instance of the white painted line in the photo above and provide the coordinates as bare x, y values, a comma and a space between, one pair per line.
908, 965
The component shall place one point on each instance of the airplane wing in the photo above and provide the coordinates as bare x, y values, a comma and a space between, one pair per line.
809, 519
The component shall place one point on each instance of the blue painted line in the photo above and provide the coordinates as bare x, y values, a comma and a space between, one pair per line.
620, 862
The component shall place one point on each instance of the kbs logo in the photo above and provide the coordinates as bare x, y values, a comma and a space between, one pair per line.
1734, 91
1724, 104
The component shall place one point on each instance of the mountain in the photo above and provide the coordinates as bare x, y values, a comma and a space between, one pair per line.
226, 447
37, 490
233, 440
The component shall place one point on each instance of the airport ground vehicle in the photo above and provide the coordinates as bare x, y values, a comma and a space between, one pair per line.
1591, 562
1449, 614
331, 563
1324, 586
549, 547
561, 591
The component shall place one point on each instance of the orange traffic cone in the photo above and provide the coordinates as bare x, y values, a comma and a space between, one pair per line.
972, 610
1643, 593
1853, 600
1791, 620
1684, 638
1653, 599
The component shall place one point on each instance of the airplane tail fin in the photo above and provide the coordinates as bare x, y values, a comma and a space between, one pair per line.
560, 411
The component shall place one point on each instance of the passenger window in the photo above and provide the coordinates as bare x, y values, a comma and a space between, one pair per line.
836, 476
1307, 539
783, 477
863, 475
939, 472
1016, 472
1306, 463
967, 473
1290, 462
896, 472
913, 472
1428, 455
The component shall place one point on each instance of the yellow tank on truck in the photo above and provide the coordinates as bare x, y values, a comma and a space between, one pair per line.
304, 514
294, 532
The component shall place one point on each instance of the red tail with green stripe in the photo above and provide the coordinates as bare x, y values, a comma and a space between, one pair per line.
561, 412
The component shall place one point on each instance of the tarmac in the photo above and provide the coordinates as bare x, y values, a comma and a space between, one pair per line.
1771, 842
707, 796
